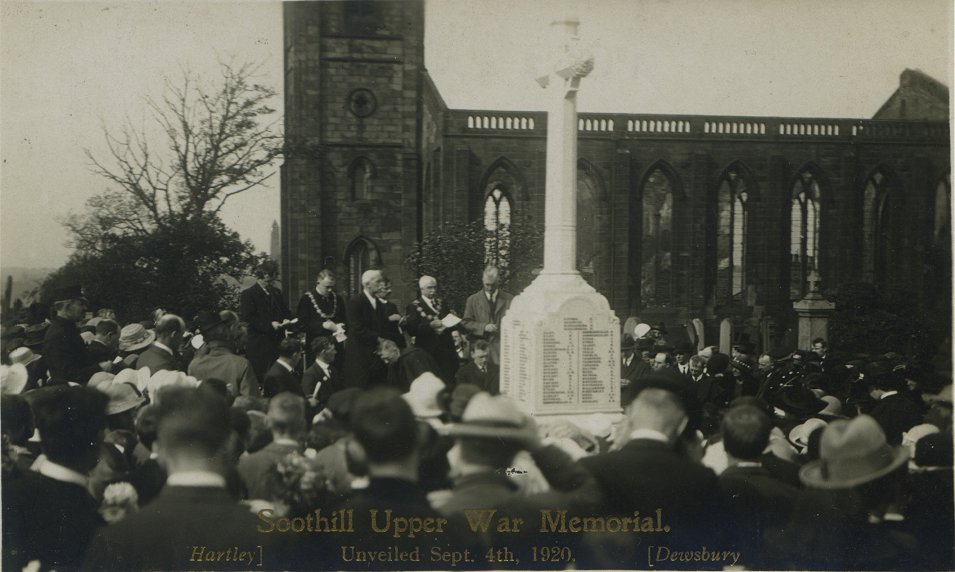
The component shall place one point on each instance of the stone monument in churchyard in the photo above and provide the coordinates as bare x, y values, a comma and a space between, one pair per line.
560, 341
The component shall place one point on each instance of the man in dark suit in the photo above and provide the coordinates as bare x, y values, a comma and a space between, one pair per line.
393, 319
66, 353
321, 379
286, 421
164, 352
402, 367
387, 435
263, 308
284, 375
193, 514
424, 317
104, 345
649, 473
320, 311
48, 515
484, 311
894, 410
633, 366
757, 500
479, 371
366, 322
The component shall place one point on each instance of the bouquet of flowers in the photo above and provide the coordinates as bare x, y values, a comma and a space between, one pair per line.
301, 483
119, 500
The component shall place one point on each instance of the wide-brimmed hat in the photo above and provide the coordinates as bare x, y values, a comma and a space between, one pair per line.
422, 396
138, 378
460, 397
494, 416
166, 378
799, 435
943, 396
641, 330
852, 453
33, 335
24, 355
207, 320
71, 292
13, 378
122, 397
135, 337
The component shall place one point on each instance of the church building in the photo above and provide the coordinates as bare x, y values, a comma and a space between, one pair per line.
680, 217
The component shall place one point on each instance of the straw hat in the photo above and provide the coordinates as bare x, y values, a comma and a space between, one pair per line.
135, 337
852, 453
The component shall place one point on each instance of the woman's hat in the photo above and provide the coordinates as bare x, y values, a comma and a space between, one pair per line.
852, 453
13, 378
24, 356
135, 337
422, 396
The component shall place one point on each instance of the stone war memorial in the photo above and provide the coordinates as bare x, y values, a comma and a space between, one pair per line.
560, 340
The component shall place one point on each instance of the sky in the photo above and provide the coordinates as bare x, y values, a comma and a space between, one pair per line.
70, 69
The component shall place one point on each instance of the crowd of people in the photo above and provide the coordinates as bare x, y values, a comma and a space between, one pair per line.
354, 434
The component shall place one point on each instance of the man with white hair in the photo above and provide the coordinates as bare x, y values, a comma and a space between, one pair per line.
430, 334
366, 322
485, 309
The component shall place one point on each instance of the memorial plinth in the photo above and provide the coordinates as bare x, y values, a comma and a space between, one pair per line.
813, 312
560, 341
560, 349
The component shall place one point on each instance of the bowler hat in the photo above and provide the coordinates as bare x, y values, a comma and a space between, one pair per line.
34, 335
207, 320
626, 343
71, 292
852, 453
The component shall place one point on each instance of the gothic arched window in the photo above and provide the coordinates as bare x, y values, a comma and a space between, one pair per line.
804, 232
497, 221
731, 237
362, 255
656, 276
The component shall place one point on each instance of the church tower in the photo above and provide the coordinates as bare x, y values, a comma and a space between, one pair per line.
351, 183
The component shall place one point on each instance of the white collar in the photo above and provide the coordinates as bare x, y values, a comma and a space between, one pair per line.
285, 441
322, 365
888, 394
285, 365
163, 346
429, 302
63, 474
650, 434
196, 479
490, 297
372, 299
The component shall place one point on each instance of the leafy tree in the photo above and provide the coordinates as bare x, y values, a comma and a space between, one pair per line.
868, 320
455, 255
154, 237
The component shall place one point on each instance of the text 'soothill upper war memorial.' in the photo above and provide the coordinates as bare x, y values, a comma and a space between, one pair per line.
720, 219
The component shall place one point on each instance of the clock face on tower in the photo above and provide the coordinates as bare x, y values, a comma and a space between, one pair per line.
362, 102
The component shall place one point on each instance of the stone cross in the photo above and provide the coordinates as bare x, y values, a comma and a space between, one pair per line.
562, 80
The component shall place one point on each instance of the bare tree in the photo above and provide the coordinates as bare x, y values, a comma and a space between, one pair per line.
209, 142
